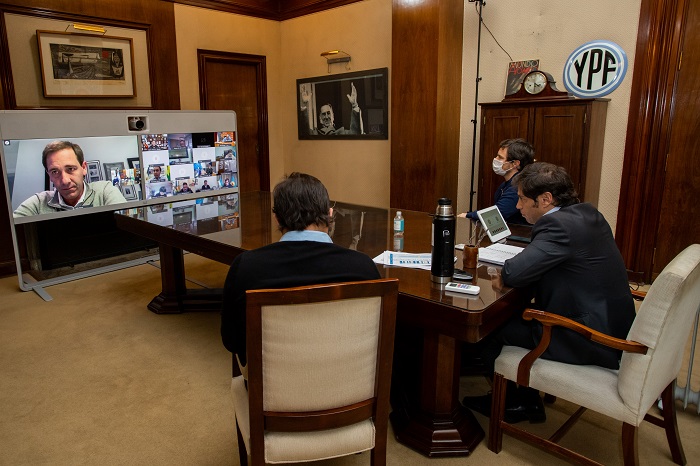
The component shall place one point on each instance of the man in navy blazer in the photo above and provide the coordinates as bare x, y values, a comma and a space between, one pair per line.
574, 269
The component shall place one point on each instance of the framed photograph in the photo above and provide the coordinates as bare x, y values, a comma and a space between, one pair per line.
94, 171
134, 162
112, 170
344, 106
85, 65
129, 192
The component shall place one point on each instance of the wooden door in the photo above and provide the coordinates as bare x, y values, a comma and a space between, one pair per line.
679, 219
558, 137
498, 123
230, 81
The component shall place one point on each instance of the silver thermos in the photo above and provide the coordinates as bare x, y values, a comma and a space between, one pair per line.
442, 265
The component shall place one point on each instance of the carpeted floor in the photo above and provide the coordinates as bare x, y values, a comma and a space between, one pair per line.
93, 377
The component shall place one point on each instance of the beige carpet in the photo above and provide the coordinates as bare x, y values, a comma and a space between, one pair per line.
93, 377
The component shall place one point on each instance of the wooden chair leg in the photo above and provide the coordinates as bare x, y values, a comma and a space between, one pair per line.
629, 445
498, 406
242, 452
378, 453
670, 423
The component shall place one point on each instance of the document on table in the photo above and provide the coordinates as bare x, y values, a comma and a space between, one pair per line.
498, 253
405, 259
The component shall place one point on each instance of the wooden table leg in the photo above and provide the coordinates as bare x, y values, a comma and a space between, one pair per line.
174, 296
427, 415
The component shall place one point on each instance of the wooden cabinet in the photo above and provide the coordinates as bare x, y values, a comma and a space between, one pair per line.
566, 132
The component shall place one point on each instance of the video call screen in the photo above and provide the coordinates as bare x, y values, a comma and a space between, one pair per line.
143, 167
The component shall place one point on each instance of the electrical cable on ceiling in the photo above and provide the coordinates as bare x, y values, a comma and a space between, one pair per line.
489, 30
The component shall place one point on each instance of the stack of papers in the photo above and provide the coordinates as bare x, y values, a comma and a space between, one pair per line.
404, 259
498, 253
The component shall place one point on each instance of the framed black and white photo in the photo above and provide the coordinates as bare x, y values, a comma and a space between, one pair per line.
344, 106
94, 173
112, 170
129, 192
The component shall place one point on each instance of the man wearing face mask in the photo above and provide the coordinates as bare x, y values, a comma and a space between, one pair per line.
513, 156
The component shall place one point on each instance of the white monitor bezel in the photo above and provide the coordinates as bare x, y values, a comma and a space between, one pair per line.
498, 236
70, 124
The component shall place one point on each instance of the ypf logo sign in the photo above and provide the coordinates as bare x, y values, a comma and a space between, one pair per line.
595, 69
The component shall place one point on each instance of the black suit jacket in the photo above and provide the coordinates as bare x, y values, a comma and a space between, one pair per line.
282, 265
576, 271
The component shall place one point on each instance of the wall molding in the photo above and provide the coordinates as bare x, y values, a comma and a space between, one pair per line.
278, 10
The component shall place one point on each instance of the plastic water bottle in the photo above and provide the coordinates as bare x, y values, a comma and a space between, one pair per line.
442, 263
398, 224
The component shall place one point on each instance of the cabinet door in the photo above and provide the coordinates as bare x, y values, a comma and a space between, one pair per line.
559, 138
497, 124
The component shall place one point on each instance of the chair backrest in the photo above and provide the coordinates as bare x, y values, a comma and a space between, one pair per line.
321, 348
663, 324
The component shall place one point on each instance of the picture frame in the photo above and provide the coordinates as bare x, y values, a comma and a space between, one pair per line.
94, 172
134, 162
86, 65
129, 192
344, 106
110, 166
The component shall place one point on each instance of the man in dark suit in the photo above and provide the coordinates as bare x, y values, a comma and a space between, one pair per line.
305, 255
575, 269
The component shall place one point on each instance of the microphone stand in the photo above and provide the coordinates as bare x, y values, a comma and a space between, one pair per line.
476, 105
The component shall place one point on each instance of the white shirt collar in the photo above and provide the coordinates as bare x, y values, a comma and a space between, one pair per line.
307, 235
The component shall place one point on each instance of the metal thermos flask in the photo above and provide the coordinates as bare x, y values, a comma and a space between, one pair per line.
442, 264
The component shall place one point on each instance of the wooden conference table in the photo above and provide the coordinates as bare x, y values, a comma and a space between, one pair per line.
431, 323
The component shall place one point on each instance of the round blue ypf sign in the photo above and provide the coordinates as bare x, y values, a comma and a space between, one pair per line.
595, 69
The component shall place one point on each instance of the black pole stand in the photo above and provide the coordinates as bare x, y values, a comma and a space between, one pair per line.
476, 106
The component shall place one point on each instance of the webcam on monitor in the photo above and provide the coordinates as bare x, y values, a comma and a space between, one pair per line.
137, 123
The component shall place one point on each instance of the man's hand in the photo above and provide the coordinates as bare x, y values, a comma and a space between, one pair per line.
352, 97
305, 95
496, 278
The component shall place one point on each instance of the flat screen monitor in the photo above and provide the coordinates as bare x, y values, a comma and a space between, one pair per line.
134, 158
492, 220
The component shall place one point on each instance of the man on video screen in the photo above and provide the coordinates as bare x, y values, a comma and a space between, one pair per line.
66, 167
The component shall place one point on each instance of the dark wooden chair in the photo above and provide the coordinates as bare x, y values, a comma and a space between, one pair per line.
319, 372
652, 356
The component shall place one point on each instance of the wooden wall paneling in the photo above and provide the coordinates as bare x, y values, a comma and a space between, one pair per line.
278, 10
425, 102
678, 225
655, 70
156, 18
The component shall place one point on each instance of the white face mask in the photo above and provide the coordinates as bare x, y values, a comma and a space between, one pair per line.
498, 167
